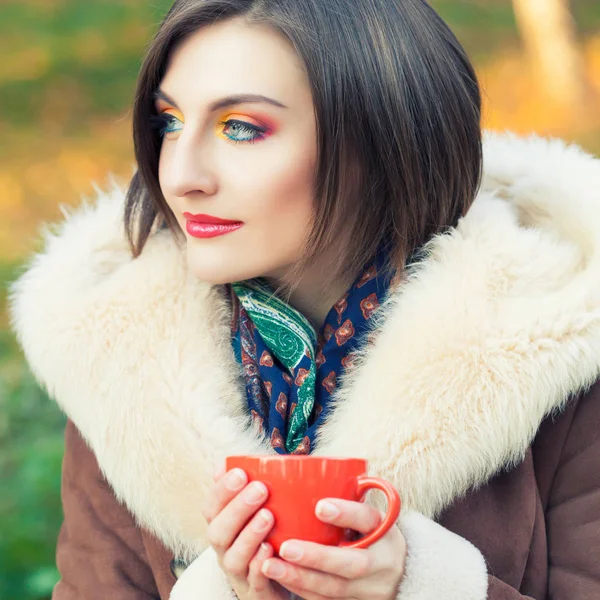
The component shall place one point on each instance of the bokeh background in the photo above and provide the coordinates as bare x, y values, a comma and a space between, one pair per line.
67, 76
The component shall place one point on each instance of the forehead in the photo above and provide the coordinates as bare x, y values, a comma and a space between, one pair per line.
232, 57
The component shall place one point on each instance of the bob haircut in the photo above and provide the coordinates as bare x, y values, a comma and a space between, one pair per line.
397, 107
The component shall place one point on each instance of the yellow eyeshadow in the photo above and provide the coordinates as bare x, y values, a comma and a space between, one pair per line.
219, 127
238, 117
174, 112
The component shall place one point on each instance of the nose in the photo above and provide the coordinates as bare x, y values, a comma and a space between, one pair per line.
186, 168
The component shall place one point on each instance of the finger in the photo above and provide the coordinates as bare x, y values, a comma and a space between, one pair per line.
237, 558
226, 526
223, 492
257, 581
359, 516
219, 472
307, 595
349, 563
369, 589
307, 580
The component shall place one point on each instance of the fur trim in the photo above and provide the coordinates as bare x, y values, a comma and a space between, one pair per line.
203, 579
494, 330
439, 563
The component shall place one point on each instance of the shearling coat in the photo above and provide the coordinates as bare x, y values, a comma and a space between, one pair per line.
477, 399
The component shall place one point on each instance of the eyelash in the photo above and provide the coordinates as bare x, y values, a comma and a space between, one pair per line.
162, 121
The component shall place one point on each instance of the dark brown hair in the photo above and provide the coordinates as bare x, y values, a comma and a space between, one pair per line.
397, 106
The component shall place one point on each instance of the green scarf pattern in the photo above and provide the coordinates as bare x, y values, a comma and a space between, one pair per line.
292, 340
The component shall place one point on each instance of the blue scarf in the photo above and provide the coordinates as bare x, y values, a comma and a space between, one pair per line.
289, 369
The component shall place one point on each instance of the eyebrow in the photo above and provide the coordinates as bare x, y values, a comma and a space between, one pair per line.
224, 102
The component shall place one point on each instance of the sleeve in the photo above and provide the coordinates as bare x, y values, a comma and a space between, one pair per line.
573, 512
443, 565
100, 552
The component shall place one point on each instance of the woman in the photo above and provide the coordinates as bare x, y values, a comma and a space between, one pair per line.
309, 171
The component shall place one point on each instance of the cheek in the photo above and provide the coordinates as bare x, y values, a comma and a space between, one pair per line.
285, 221
282, 196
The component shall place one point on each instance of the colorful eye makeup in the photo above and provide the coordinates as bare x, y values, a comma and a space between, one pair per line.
231, 127
168, 120
173, 120
240, 128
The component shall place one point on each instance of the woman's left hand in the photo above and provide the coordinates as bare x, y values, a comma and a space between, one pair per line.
316, 572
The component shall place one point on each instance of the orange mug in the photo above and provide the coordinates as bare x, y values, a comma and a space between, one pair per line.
297, 483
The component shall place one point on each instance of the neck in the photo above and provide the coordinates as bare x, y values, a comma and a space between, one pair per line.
314, 295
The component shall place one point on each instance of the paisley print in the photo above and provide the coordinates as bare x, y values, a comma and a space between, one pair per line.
348, 361
257, 421
340, 307
266, 360
330, 382
328, 332
281, 406
277, 440
301, 377
344, 333
289, 369
369, 305
268, 388
367, 276
320, 360
303, 447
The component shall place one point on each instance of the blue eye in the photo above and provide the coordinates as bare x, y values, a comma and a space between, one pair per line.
166, 123
239, 131
172, 124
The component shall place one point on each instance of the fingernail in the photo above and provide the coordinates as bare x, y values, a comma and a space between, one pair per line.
263, 520
273, 569
264, 549
327, 510
255, 492
291, 551
236, 480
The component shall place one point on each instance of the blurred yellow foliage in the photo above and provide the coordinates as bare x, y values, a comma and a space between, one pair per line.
514, 102
592, 55
90, 46
59, 171
11, 192
25, 65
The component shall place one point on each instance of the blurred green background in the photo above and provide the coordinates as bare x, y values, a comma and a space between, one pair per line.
66, 84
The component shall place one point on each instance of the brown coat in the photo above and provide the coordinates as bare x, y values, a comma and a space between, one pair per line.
472, 400
538, 525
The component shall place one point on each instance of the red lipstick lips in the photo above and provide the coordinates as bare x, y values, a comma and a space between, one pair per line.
207, 226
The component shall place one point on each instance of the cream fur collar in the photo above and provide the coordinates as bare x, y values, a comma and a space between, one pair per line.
493, 331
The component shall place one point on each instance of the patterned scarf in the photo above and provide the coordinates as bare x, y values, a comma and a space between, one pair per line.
291, 372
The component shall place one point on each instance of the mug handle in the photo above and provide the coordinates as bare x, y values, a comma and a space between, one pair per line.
364, 484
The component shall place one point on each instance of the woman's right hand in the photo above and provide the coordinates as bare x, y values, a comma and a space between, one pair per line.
237, 528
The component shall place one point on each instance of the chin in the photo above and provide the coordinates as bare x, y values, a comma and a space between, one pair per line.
219, 272
212, 275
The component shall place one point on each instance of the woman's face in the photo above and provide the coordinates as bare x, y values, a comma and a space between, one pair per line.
249, 161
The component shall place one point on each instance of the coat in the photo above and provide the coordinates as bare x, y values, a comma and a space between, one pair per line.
478, 399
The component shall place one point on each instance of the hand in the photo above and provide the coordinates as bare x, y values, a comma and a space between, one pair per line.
322, 572
237, 530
